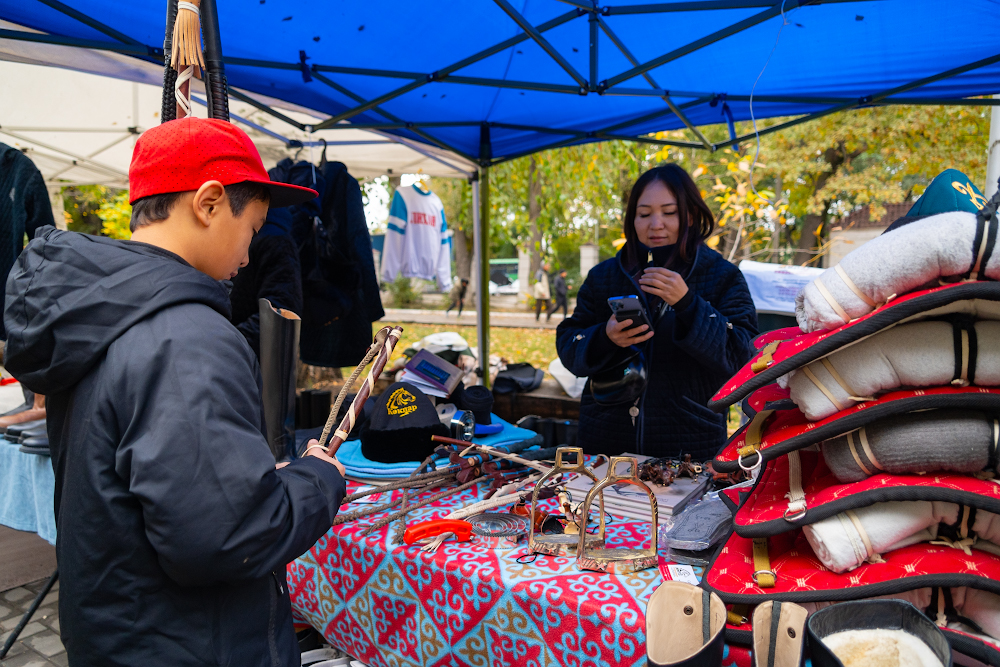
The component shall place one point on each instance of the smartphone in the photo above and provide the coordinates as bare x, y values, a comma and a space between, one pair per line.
628, 308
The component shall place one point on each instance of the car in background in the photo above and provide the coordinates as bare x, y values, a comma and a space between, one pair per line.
510, 288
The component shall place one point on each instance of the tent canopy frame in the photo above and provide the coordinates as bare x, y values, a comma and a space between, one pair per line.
612, 86
594, 14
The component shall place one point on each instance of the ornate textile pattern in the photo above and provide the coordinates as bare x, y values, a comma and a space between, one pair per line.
469, 604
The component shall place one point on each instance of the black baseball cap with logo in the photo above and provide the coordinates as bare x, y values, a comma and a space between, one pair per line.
401, 426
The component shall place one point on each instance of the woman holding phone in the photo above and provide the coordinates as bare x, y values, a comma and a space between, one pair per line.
683, 328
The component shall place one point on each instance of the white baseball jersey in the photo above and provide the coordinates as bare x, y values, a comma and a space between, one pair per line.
417, 242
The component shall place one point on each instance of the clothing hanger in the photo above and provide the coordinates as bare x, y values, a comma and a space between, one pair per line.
419, 185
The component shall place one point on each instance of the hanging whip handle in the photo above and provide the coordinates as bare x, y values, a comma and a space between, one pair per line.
216, 86
168, 108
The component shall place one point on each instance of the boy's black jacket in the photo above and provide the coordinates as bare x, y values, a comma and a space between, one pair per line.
174, 526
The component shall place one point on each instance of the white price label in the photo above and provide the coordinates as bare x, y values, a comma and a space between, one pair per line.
683, 573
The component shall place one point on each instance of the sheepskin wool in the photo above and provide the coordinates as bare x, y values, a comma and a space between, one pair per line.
845, 541
938, 440
922, 354
981, 607
880, 648
893, 264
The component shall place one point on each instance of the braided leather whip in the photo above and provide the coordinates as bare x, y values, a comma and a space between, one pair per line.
385, 342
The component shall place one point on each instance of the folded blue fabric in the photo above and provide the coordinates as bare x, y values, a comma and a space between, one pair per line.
358, 466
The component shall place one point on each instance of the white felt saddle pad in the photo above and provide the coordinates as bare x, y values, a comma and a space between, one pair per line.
894, 264
921, 354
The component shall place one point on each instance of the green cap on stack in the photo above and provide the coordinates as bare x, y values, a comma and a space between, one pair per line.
951, 190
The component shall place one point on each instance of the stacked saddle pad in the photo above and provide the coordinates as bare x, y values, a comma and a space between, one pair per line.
873, 437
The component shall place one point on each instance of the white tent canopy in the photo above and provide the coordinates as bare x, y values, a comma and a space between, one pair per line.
79, 127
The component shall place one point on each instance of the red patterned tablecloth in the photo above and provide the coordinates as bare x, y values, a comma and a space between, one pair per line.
469, 604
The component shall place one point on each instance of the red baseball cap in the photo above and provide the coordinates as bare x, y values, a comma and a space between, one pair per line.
181, 155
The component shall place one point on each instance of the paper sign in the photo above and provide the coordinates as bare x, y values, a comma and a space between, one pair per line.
683, 573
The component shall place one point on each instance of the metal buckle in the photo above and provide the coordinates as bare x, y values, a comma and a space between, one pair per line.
770, 572
760, 459
797, 515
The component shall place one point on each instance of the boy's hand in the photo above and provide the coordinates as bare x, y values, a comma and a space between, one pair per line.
320, 454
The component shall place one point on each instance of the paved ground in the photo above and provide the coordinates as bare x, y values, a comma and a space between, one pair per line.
38, 644
497, 319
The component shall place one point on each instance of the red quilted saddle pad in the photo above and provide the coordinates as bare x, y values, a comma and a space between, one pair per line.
800, 577
799, 349
761, 510
789, 430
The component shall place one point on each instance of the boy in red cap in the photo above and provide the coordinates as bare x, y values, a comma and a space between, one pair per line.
174, 525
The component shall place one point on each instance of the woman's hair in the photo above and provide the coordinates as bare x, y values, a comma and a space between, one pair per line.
696, 218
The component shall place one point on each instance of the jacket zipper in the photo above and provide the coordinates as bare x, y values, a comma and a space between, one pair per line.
640, 421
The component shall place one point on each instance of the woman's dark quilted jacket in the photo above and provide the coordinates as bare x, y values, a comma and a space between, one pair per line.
693, 351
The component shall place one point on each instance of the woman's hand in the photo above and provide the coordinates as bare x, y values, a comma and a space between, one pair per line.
619, 336
664, 283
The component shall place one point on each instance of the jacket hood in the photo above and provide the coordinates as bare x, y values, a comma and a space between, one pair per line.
70, 296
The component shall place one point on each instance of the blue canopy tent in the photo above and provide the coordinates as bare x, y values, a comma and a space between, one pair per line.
495, 80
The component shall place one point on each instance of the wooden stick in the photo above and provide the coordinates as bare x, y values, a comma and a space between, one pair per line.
493, 452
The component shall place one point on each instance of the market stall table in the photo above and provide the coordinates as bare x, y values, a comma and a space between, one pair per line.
469, 603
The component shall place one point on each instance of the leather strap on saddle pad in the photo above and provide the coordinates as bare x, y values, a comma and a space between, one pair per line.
971, 646
762, 511
800, 577
788, 349
771, 434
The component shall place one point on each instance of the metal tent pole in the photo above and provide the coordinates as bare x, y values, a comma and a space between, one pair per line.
481, 211
993, 153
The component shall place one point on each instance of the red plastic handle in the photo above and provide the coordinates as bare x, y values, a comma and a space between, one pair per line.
435, 527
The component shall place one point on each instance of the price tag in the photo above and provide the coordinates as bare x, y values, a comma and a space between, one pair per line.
683, 573
373, 498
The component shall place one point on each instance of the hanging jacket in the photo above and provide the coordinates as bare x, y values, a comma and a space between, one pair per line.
417, 243
272, 273
339, 287
174, 528
696, 347
24, 207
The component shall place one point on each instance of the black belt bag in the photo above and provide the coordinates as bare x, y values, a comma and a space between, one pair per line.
626, 380
622, 383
